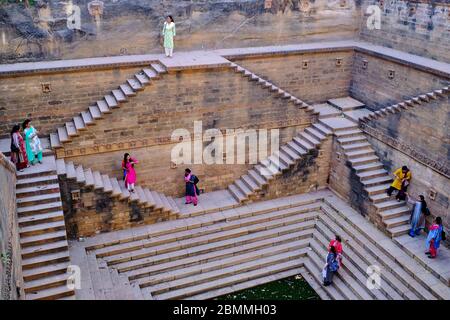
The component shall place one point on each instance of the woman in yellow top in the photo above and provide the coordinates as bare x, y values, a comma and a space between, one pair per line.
401, 181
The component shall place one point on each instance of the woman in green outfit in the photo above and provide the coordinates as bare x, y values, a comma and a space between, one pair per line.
32, 142
168, 33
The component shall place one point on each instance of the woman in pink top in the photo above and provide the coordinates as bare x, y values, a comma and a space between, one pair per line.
129, 172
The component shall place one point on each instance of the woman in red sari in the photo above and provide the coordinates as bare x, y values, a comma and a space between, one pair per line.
18, 151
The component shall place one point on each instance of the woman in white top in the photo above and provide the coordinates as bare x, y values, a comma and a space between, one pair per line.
168, 33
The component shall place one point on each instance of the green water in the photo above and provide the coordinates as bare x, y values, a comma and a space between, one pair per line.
284, 289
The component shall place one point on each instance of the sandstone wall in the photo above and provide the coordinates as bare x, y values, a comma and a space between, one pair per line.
419, 27
143, 126
10, 263
22, 97
43, 31
373, 86
320, 80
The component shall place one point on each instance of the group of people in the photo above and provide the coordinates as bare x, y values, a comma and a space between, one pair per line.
129, 177
419, 212
26, 147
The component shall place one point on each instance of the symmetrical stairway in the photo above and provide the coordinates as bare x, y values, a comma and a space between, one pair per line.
208, 256
106, 105
98, 181
408, 103
42, 230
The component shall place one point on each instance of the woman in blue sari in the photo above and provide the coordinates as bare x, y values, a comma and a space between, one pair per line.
331, 267
434, 238
418, 213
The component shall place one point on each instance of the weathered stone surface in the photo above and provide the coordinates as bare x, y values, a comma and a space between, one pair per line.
133, 26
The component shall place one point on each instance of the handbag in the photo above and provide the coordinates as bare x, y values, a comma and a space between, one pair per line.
14, 148
443, 235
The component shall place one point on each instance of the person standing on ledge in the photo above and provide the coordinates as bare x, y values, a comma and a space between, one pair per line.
129, 171
434, 238
18, 150
401, 182
168, 33
32, 142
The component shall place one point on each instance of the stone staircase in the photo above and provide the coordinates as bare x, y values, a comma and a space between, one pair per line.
408, 103
42, 230
106, 105
248, 186
273, 88
208, 256
366, 164
143, 196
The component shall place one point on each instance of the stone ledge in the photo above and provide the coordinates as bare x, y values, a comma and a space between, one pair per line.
7, 164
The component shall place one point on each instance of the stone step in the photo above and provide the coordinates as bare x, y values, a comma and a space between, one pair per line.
45, 271
316, 273
352, 140
372, 174
360, 153
316, 286
272, 168
71, 172
34, 286
206, 285
322, 129
222, 240
40, 218
288, 151
173, 205
151, 73
368, 167
41, 208
43, 238
300, 151
158, 201
356, 146
37, 190
308, 212
348, 133
168, 265
248, 284
45, 260
377, 189
127, 90
158, 68
54, 140
391, 258
63, 135
98, 181
71, 129
95, 113
237, 193
38, 199
51, 293
102, 105
381, 197
339, 124
42, 228
134, 84
252, 257
363, 160
355, 258
116, 188
79, 123
318, 258
142, 78
390, 204
394, 212
80, 176
119, 95
87, 118
316, 134
111, 102
398, 221
398, 230
42, 249
257, 177
303, 143
251, 183
376, 181
310, 138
